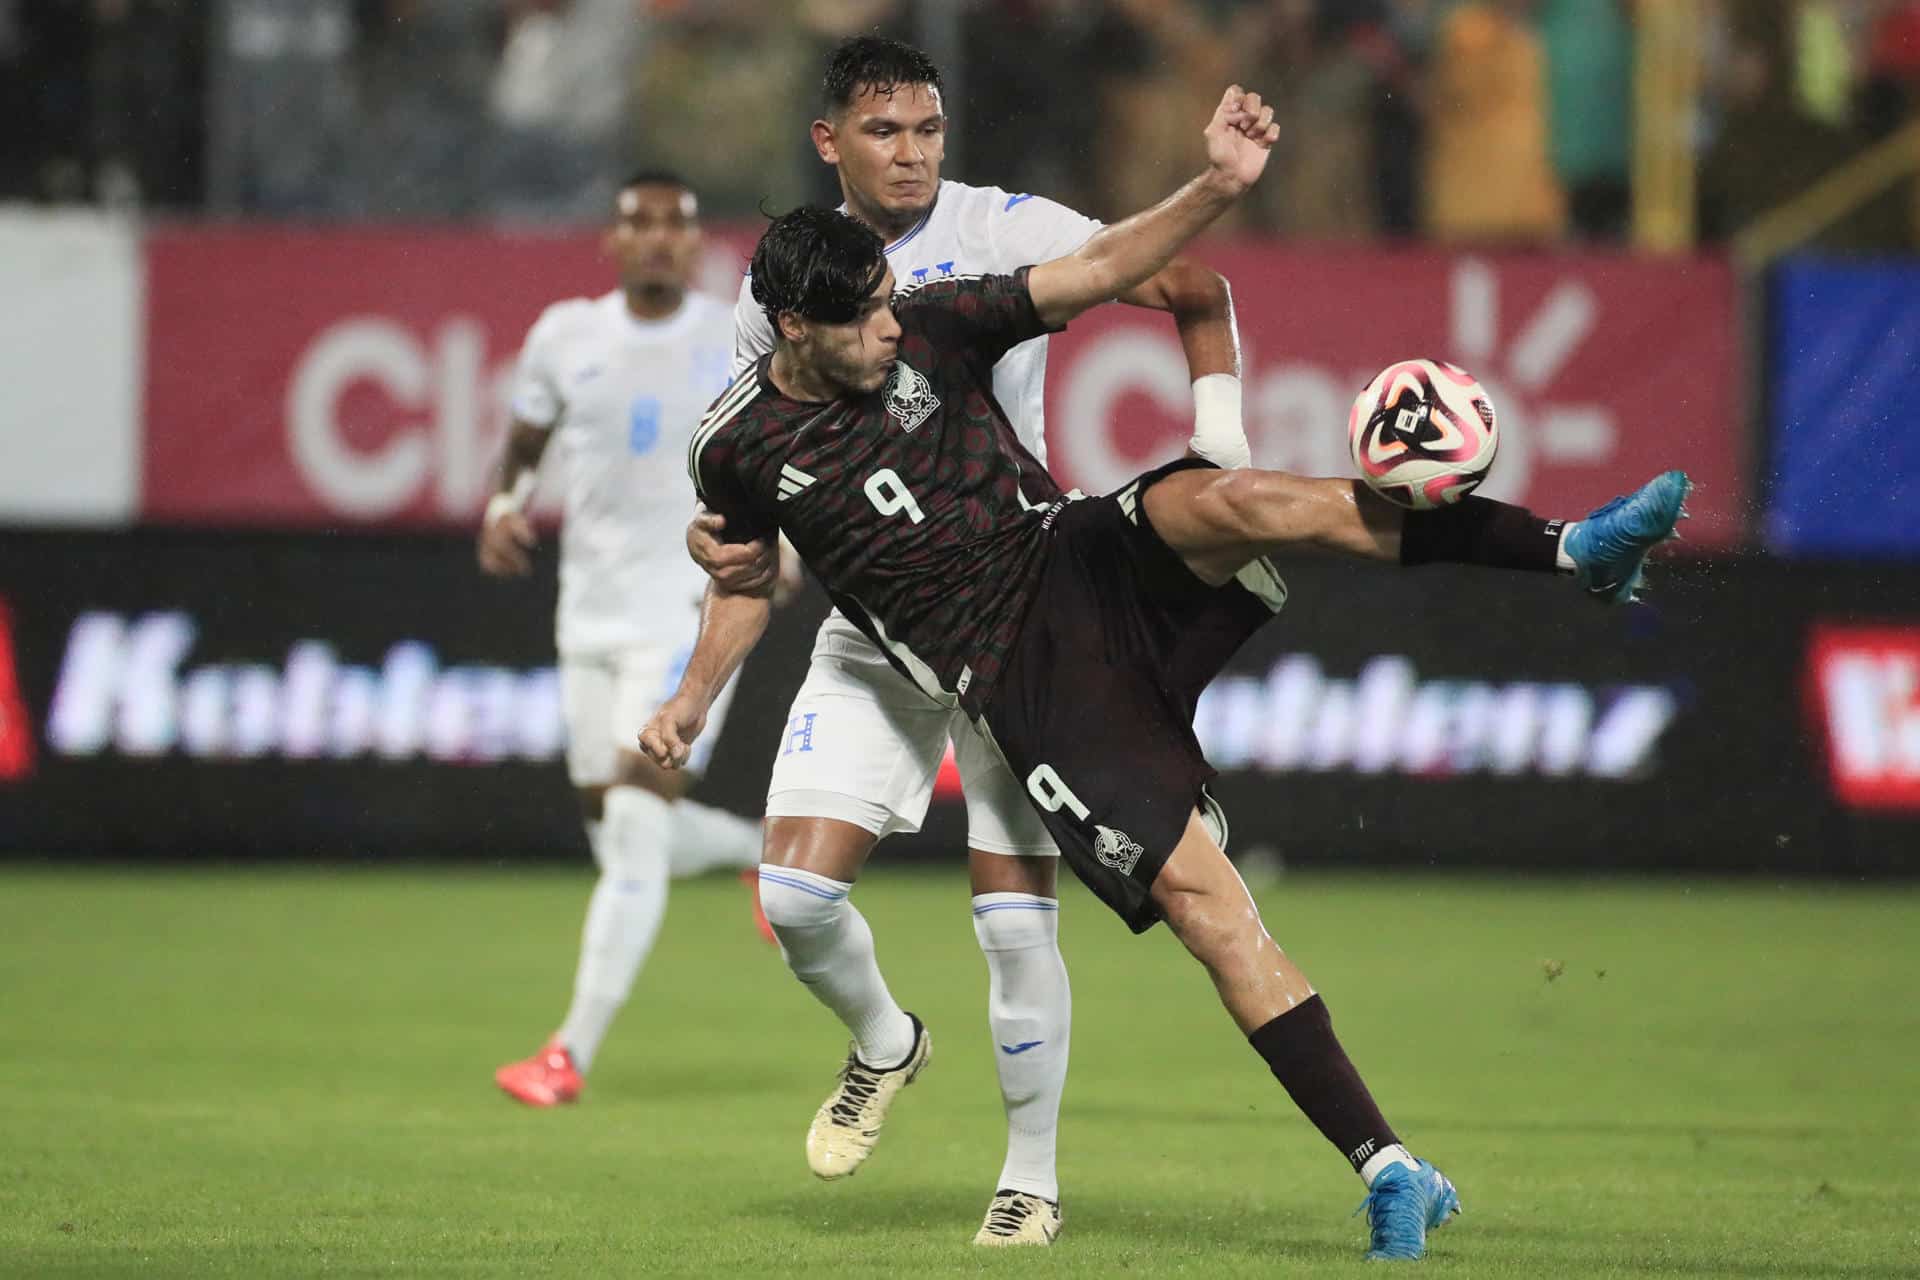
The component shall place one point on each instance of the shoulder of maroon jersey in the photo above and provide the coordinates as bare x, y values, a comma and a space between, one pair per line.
732, 408
930, 293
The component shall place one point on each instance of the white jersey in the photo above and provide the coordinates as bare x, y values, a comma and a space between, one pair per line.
624, 396
969, 231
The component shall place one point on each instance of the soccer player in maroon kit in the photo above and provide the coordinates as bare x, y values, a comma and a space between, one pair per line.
1077, 633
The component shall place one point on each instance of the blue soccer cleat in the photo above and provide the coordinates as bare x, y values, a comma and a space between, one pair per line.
1609, 548
1403, 1205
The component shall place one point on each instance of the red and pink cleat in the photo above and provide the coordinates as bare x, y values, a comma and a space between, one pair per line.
547, 1079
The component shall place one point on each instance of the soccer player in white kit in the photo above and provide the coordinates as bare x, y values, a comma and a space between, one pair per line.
862, 743
618, 383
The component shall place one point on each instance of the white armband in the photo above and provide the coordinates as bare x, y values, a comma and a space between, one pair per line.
511, 500
1218, 435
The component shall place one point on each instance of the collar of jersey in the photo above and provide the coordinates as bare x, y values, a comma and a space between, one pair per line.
763, 373
917, 227
666, 327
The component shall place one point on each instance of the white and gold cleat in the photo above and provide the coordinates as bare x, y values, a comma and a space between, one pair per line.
1017, 1217
847, 1126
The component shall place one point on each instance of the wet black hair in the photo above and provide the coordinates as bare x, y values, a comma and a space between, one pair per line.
817, 263
876, 63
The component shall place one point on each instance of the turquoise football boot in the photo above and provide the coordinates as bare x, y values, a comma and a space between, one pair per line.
1609, 548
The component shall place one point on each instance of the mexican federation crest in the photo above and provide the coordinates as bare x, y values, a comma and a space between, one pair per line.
910, 397
1116, 849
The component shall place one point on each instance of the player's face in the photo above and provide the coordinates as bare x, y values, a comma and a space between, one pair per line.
888, 148
856, 357
655, 238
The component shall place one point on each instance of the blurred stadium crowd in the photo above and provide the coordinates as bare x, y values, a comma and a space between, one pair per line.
1457, 120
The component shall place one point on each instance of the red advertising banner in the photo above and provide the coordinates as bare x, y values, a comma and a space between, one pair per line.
1863, 687
1604, 369
301, 377
354, 377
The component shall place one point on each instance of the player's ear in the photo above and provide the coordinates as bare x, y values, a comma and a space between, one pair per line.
793, 327
826, 142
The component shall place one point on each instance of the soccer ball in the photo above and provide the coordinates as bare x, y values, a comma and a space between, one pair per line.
1423, 434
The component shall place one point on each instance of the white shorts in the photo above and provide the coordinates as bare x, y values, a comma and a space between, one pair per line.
863, 744
609, 697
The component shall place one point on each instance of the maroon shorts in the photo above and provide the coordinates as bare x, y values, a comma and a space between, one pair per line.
1094, 709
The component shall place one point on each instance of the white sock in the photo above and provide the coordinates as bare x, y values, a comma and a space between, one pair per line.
703, 838
595, 826
1377, 1163
830, 949
1030, 1010
623, 916
1561, 560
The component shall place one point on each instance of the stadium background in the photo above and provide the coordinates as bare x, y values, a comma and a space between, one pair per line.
265, 265
259, 329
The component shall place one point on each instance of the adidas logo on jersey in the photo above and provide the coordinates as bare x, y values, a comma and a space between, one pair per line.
910, 397
792, 481
1116, 849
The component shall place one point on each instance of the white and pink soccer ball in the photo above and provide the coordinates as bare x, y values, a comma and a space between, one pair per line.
1423, 434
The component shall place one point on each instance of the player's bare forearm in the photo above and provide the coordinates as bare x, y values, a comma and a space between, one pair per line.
526, 445
1125, 255
731, 624
1201, 304
1202, 309
506, 535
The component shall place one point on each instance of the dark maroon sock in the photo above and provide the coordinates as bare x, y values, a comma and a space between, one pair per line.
1308, 1061
1481, 531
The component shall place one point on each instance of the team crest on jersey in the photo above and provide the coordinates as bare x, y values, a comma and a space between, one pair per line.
910, 397
1116, 849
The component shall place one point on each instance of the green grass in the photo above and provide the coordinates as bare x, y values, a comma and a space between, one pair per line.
289, 1073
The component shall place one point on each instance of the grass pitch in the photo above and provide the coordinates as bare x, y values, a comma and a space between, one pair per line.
289, 1073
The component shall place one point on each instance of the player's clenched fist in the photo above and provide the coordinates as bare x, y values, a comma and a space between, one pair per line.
1240, 135
669, 737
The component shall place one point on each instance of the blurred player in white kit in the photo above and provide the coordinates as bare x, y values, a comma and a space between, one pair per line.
619, 383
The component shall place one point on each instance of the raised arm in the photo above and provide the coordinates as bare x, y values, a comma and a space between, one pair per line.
731, 624
1123, 256
1201, 304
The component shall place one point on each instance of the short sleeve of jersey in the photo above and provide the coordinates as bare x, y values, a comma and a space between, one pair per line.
1028, 230
752, 335
722, 489
536, 379
981, 316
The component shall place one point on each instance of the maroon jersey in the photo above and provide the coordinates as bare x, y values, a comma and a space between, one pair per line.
916, 506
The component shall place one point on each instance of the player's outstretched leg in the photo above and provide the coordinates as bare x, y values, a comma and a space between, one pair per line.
1209, 910
1609, 548
705, 839
1220, 520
